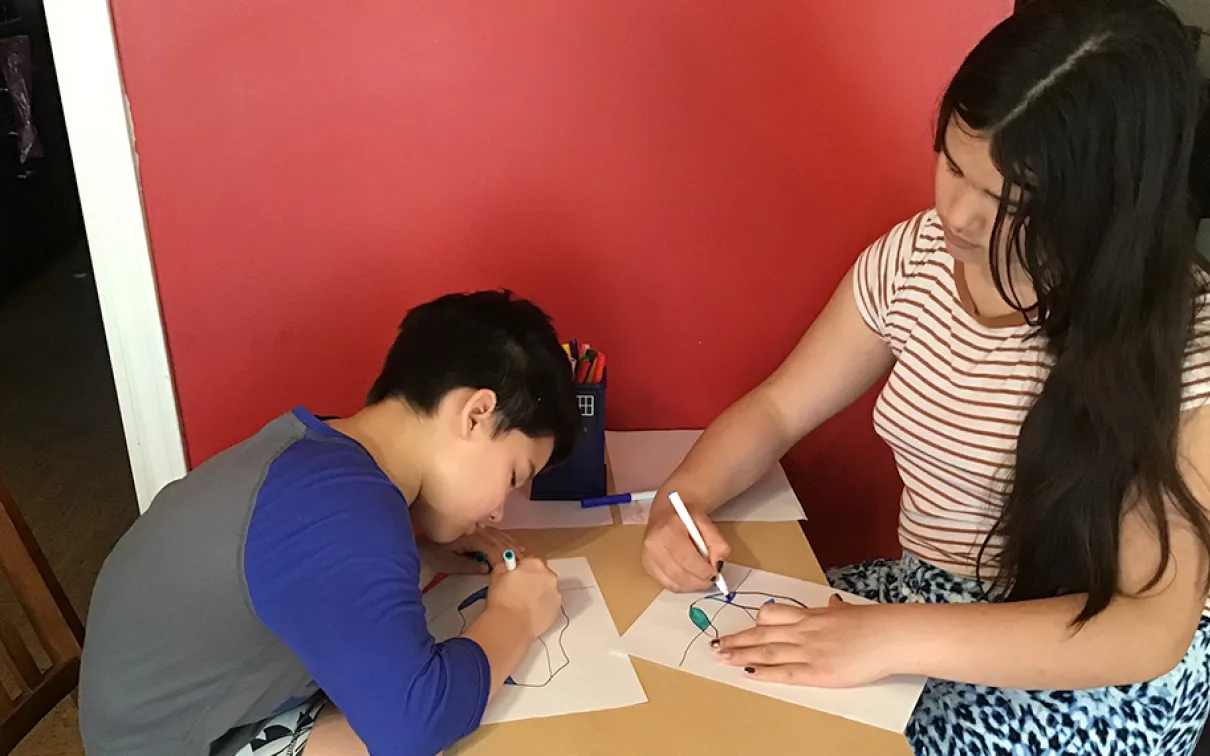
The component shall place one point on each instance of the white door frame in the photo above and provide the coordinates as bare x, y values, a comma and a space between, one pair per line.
103, 150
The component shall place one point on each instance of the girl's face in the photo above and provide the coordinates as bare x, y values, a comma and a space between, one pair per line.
967, 188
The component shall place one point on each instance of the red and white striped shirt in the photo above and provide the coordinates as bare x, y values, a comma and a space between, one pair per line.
962, 384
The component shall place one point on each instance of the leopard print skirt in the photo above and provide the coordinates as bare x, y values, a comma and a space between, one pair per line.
1163, 717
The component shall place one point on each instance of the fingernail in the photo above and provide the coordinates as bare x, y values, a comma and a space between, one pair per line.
718, 567
749, 670
714, 643
723, 654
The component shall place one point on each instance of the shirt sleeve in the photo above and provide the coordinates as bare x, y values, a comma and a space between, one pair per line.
880, 270
333, 571
1195, 378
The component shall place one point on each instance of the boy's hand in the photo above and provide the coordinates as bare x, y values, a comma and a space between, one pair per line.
530, 593
458, 557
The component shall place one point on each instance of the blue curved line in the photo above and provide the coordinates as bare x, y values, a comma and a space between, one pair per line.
478, 595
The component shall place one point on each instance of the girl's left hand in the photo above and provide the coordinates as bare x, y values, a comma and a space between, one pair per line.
836, 647
458, 557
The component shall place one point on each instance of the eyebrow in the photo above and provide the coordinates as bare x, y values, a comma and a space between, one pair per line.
945, 149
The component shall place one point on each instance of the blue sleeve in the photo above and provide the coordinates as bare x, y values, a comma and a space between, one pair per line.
332, 570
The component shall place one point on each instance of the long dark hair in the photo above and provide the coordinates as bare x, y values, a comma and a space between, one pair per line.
1090, 109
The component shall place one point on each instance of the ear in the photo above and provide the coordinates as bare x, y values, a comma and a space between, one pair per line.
477, 412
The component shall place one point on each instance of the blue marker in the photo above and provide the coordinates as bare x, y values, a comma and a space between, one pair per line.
603, 501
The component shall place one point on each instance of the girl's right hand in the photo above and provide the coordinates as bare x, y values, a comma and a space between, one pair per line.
669, 554
530, 593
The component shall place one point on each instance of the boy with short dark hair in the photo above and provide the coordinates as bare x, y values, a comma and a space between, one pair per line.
287, 571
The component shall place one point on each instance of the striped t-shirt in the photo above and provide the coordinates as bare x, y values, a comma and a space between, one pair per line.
953, 405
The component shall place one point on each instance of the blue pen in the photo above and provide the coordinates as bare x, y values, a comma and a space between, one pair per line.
603, 501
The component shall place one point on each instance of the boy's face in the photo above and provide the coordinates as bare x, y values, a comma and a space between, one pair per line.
473, 469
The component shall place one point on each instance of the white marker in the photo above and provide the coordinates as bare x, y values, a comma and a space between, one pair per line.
696, 535
510, 560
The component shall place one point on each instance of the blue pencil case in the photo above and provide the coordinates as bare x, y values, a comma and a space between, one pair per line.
582, 475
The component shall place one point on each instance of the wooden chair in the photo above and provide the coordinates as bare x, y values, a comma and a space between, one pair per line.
55, 623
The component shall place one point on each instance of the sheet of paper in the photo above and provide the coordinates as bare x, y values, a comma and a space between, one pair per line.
643, 460
666, 635
521, 513
578, 665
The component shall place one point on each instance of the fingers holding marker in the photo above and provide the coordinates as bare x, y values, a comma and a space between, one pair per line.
685, 568
717, 548
695, 568
695, 535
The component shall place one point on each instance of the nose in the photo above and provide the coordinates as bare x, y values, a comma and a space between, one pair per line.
496, 516
965, 214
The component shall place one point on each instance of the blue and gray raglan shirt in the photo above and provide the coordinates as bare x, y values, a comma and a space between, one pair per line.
285, 565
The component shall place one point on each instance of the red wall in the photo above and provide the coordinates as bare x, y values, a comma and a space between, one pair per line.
680, 183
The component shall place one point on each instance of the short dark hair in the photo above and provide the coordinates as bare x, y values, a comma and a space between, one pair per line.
485, 340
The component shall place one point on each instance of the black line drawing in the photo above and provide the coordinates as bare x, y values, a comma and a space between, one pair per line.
552, 670
705, 623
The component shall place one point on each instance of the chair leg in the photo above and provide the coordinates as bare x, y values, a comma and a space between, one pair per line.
35, 584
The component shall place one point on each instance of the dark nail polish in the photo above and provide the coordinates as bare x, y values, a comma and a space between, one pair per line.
714, 643
749, 670
719, 566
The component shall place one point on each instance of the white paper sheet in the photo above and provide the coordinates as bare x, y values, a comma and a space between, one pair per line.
521, 513
578, 665
643, 460
664, 634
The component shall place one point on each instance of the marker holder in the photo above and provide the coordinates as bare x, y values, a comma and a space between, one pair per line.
582, 474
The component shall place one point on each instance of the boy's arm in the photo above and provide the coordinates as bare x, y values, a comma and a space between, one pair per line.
504, 640
333, 572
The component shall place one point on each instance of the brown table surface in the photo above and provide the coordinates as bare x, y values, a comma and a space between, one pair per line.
684, 714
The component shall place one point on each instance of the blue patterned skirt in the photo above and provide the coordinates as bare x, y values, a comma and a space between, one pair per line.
1163, 717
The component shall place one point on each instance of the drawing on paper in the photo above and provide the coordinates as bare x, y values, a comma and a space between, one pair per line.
577, 665
737, 599
675, 632
561, 630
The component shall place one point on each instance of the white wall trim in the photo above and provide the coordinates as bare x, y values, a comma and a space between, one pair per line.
102, 145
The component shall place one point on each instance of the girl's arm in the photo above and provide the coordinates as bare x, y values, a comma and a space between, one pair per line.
1139, 636
835, 362
838, 359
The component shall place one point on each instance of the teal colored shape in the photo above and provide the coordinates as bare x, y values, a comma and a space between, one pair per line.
699, 618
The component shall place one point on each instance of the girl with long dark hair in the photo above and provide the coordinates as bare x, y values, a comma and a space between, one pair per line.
1045, 334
